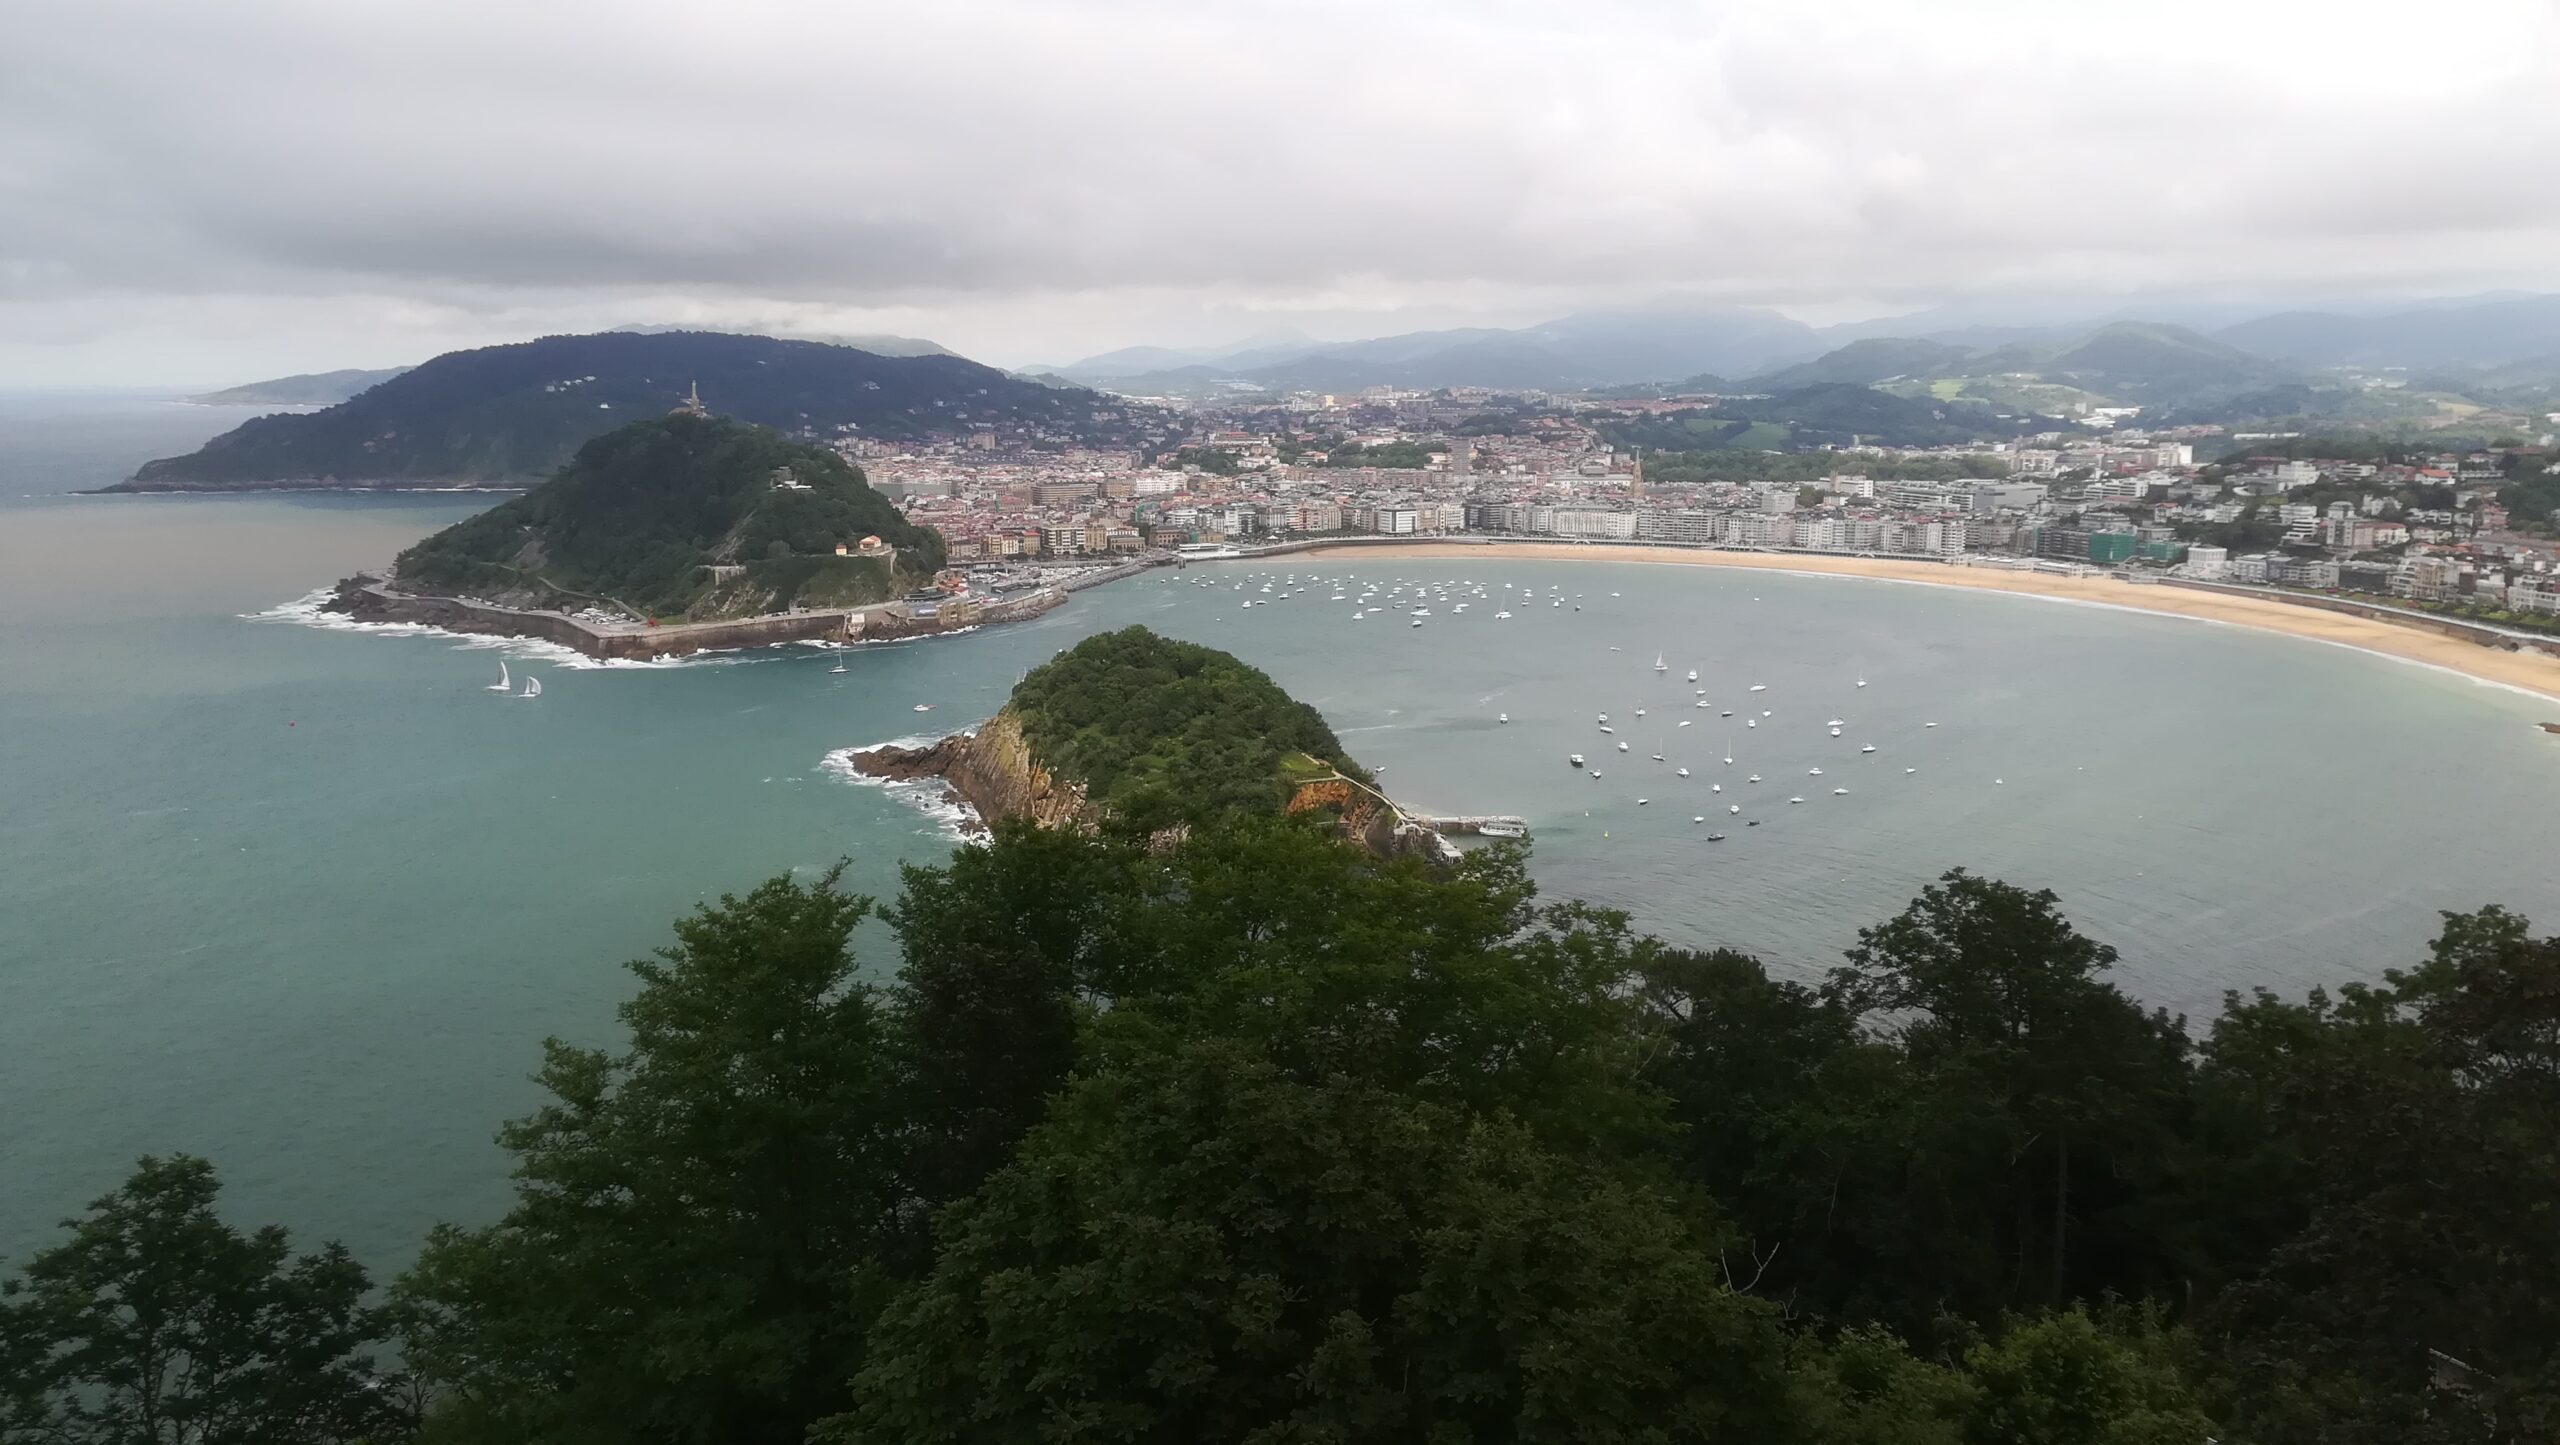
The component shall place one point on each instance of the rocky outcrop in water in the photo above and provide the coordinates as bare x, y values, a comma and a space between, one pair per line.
990, 770
993, 773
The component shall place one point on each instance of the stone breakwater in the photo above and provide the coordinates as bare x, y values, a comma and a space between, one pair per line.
368, 599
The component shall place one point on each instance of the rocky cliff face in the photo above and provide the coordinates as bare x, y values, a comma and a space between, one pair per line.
991, 770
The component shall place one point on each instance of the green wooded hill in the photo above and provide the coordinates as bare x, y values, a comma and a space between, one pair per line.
643, 513
1160, 731
514, 414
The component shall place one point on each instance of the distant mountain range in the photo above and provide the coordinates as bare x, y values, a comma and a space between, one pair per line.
1571, 353
2461, 335
2226, 364
317, 388
515, 414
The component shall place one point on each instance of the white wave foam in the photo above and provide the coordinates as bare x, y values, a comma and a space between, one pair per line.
932, 797
310, 610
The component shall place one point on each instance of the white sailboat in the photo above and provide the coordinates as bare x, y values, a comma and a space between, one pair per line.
532, 688
1862, 680
1658, 664
502, 684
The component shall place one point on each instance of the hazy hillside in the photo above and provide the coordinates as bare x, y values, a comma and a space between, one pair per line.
2472, 334
316, 388
1570, 353
516, 413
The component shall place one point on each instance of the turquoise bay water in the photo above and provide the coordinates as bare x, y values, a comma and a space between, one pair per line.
305, 901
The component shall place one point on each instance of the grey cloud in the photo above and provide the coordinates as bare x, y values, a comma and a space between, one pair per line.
971, 153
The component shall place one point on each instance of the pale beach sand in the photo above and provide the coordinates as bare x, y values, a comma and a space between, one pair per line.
2533, 672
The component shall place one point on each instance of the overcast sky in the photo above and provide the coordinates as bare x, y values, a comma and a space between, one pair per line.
203, 192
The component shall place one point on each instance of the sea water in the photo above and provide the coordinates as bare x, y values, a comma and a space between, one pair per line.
305, 898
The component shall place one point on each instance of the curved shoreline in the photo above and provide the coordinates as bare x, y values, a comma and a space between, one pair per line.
2525, 671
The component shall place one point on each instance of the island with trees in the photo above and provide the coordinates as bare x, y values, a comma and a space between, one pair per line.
1142, 735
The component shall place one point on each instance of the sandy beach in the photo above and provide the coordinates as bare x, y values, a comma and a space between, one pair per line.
2530, 671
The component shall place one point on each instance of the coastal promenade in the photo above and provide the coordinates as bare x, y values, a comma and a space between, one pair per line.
2494, 655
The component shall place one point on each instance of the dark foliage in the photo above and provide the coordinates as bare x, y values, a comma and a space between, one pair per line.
641, 511
1161, 731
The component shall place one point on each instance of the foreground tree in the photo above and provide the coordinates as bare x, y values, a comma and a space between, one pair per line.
2043, 1108
2400, 1283
1006, 944
1365, 1158
692, 1255
156, 1323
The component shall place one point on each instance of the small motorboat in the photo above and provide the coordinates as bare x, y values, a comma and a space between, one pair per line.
1759, 687
1640, 802
1715, 837
1679, 772
1684, 722
1871, 747
924, 707
1813, 772
1622, 747
1733, 807
1839, 792
1575, 759
1795, 800
1502, 717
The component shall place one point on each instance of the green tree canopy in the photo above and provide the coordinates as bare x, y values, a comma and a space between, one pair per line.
156, 1323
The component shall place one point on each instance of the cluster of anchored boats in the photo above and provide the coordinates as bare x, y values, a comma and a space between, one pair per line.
1750, 719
